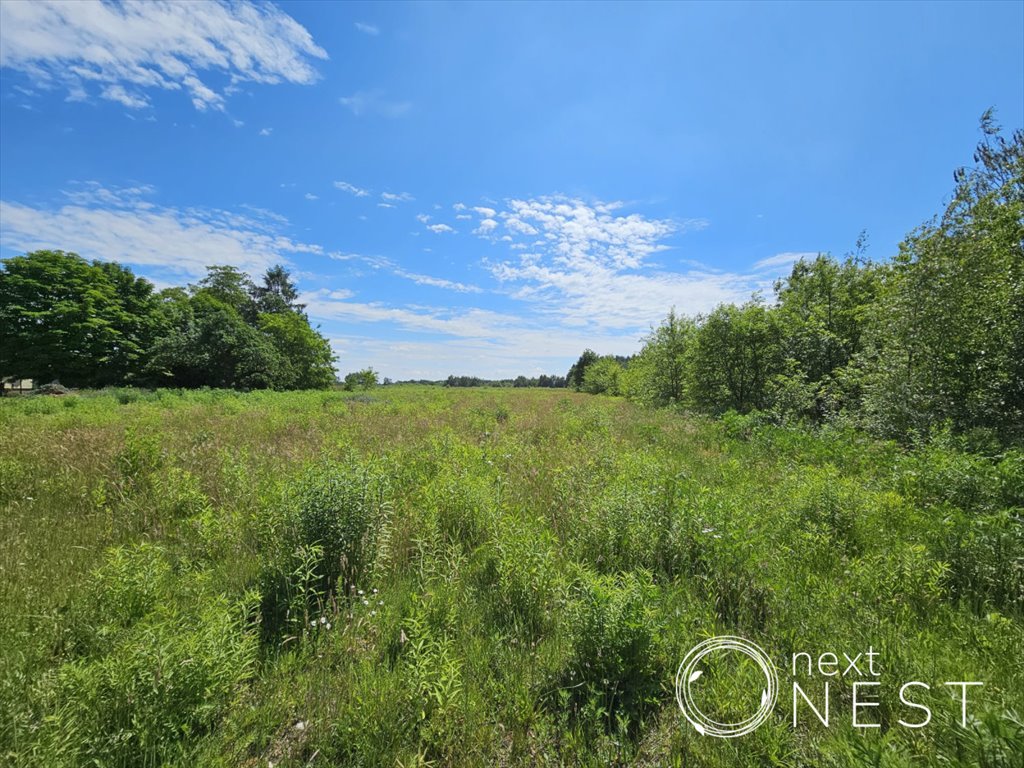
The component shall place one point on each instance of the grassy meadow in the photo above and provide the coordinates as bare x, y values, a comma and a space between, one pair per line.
426, 576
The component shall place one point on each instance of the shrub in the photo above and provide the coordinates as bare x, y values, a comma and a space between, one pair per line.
321, 541
614, 644
520, 579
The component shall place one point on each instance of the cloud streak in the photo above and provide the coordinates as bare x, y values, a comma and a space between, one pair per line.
123, 225
364, 103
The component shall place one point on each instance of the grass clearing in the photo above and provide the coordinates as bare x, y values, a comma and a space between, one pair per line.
426, 576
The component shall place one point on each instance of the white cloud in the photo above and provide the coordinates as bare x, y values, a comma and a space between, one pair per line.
311, 196
119, 94
423, 218
438, 282
588, 266
436, 342
382, 263
401, 197
385, 205
374, 103
344, 186
486, 227
123, 225
440, 229
784, 259
266, 131
367, 29
487, 213
124, 49
459, 206
463, 216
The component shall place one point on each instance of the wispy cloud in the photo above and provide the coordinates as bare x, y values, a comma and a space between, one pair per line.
471, 340
438, 282
387, 265
123, 225
440, 229
400, 197
266, 131
126, 49
367, 29
374, 102
784, 259
352, 189
311, 196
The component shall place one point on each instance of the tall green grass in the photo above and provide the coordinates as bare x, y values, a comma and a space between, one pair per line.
421, 576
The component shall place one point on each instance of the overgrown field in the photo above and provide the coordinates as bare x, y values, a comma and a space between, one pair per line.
424, 576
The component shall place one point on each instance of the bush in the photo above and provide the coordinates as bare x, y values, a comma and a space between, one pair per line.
614, 644
321, 541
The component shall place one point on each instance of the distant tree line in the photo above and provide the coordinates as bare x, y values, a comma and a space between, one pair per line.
519, 381
94, 324
932, 339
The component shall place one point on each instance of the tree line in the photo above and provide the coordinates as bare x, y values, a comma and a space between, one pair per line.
95, 324
543, 381
933, 338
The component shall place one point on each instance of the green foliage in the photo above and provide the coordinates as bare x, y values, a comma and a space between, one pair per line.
364, 379
574, 378
93, 325
86, 324
948, 343
320, 542
935, 337
471, 577
306, 356
735, 352
152, 665
665, 363
601, 377
614, 639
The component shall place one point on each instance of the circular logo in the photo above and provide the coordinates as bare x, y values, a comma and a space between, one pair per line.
690, 672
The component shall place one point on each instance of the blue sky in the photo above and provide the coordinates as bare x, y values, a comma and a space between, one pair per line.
489, 188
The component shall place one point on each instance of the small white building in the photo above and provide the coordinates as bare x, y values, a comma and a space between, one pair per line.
17, 385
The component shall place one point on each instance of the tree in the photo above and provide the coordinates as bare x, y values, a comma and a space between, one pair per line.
306, 355
947, 343
574, 378
662, 363
602, 376
213, 346
278, 294
735, 351
824, 307
232, 287
364, 379
64, 318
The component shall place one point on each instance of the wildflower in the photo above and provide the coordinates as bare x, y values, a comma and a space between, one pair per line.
328, 625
